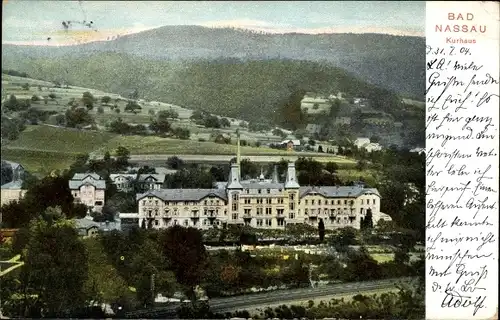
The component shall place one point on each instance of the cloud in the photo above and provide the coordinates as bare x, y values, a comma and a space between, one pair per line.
82, 35
268, 27
78, 36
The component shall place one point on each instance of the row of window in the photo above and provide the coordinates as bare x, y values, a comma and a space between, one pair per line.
332, 211
156, 202
260, 191
185, 222
339, 202
269, 222
260, 201
175, 212
258, 222
291, 215
260, 211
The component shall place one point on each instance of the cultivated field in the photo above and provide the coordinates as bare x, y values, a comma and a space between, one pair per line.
43, 148
42, 89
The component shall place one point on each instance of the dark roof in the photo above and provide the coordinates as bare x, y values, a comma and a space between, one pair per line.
338, 192
76, 184
81, 176
13, 185
14, 165
183, 194
157, 177
86, 223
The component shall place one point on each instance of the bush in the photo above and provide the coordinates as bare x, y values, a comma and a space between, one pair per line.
105, 99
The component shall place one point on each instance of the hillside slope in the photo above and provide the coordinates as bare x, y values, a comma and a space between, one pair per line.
250, 90
393, 62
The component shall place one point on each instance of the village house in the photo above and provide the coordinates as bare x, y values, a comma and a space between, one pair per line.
150, 181
89, 189
17, 170
290, 144
364, 143
12, 190
361, 142
372, 146
86, 227
418, 150
123, 181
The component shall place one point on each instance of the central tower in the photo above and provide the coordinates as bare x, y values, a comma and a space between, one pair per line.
238, 152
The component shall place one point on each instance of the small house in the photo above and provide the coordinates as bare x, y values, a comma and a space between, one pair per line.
150, 181
87, 227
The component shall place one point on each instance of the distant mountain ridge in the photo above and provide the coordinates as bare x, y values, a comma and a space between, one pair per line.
393, 62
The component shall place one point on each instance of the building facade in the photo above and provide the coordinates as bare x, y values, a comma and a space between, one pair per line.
12, 192
150, 181
259, 203
89, 189
123, 181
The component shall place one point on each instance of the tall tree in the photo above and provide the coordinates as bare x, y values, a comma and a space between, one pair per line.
78, 117
122, 157
88, 100
290, 114
367, 222
184, 249
175, 163
56, 267
321, 230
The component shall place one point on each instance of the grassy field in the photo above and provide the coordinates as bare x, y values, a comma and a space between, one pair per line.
367, 175
13, 85
42, 149
39, 162
62, 140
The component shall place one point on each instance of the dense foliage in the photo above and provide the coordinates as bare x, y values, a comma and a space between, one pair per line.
225, 87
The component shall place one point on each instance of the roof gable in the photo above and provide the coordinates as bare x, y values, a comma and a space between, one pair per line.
83, 176
151, 177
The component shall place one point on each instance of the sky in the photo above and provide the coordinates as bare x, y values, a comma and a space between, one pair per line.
33, 22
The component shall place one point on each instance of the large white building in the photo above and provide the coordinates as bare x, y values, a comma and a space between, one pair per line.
260, 203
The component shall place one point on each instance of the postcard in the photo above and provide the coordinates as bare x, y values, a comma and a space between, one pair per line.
225, 159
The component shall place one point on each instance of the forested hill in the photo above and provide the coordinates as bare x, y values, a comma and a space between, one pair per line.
252, 90
393, 62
